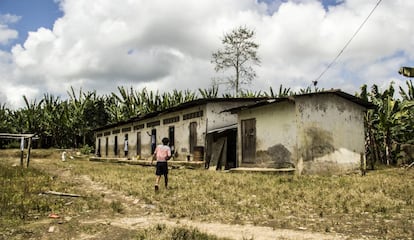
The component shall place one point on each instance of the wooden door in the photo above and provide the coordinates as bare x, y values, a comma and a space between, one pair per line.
193, 136
248, 132
139, 144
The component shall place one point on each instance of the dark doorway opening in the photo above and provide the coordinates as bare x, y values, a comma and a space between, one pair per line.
98, 151
116, 146
222, 149
139, 144
171, 137
153, 140
106, 146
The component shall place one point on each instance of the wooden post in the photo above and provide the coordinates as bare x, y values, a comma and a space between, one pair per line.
29, 147
21, 151
363, 164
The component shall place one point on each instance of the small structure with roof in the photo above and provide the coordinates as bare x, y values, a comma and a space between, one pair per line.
315, 133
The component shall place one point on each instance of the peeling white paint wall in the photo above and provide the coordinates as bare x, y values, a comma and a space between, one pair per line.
330, 133
323, 133
275, 133
212, 118
219, 118
181, 130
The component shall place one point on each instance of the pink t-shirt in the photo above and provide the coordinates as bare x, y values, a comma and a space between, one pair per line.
162, 152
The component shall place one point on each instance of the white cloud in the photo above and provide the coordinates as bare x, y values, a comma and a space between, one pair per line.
6, 33
164, 45
9, 18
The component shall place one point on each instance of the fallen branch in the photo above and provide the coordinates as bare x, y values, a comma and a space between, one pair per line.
62, 194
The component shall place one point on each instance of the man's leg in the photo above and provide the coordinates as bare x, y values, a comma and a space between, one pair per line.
157, 181
166, 180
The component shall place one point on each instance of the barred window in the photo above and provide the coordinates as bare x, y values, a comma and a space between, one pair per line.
171, 120
116, 131
140, 126
127, 129
107, 133
192, 115
99, 135
153, 124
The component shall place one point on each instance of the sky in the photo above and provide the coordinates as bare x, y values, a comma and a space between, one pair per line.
49, 46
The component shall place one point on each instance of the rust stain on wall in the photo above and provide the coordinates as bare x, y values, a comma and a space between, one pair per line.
276, 156
318, 143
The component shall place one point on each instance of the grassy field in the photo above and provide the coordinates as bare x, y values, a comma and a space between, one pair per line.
378, 205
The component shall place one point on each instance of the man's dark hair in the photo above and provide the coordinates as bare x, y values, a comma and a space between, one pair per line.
165, 141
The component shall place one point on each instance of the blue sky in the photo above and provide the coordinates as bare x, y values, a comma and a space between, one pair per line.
163, 45
33, 13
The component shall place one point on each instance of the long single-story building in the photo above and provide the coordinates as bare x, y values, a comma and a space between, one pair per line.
192, 128
319, 132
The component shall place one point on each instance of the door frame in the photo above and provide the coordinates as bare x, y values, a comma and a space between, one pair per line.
248, 141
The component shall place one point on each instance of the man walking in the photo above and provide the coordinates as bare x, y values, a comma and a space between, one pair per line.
162, 154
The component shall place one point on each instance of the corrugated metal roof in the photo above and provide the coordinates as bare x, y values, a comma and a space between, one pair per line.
185, 105
222, 129
337, 92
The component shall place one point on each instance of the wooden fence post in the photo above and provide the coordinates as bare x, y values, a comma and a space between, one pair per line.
29, 147
21, 151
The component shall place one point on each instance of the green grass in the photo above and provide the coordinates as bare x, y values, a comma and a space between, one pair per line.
379, 205
23, 197
162, 232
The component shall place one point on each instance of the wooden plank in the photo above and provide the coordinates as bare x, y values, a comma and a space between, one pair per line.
62, 194
29, 147
18, 136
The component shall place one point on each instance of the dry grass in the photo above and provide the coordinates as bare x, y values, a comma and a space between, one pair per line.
379, 205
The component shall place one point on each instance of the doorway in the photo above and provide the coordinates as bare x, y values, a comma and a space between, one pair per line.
171, 137
193, 136
106, 146
153, 140
248, 134
116, 146
98, 151
139, 144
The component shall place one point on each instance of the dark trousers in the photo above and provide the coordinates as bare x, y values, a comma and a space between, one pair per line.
162, 169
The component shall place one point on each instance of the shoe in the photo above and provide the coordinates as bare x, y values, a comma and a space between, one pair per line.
156, 187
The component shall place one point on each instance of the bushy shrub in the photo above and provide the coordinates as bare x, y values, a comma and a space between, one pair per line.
86, 149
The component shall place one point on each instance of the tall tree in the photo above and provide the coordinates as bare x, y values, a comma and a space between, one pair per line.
239, 53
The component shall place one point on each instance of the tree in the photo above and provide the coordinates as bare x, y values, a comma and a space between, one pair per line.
238, 54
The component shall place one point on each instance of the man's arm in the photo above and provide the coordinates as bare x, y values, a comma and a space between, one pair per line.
169, 154
154, 156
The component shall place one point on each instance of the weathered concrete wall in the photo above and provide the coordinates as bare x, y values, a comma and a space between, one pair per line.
181, 130
212, 118
218, 118
275, 134
330, 134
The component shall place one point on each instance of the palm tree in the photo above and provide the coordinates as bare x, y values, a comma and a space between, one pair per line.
283, 92
209, 92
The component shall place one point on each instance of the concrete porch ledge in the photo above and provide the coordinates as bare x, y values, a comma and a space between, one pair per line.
171, 163
264, 170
